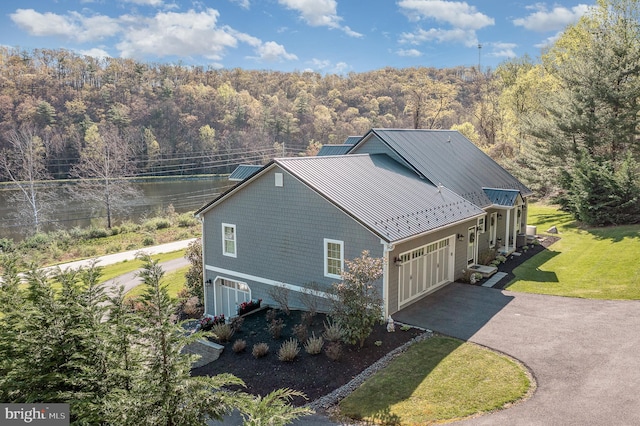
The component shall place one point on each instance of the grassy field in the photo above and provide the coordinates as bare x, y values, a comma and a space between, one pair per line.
174, 281
117, 269
597, 263
435, 380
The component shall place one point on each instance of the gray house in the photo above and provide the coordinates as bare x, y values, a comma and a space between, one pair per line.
427, 201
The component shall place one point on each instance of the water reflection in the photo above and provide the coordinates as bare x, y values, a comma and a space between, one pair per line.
184, 195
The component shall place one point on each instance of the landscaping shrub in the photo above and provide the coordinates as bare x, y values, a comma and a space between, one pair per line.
357, 305
275, 328
236, 323
313, 345
332, 331
289, 350
208, 322
485, 257
6, 245
187, 219
334, 351
281, 295
222, 332
39, 241
259, 350
157, 223
307, 318
94, 232
239, 345
301, 332
191, 306
270, 314
148, 241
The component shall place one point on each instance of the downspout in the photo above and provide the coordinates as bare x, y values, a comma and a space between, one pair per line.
204, 269
386, 249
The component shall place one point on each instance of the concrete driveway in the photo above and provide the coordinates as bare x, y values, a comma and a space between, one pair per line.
584, 354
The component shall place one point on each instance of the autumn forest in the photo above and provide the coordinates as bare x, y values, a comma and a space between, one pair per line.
561, 123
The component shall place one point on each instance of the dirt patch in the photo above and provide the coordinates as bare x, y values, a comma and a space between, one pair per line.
314, 375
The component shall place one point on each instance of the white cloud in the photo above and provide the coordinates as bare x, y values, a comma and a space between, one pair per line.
155, 3
457, 14
274, 52
95, 52
459, 19
409, 52
183, 34
319, 13
320, 63
73, 26
191, 33
544, 20
456, 35
502, 50
245, 4
548, 41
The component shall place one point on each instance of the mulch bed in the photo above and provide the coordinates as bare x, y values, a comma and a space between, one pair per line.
314, 375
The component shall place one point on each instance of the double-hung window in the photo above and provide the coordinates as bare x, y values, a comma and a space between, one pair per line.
333, 258
229, 244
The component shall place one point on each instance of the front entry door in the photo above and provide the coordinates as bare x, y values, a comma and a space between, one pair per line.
471, 246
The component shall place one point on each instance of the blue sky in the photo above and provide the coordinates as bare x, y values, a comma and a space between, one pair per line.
327, 36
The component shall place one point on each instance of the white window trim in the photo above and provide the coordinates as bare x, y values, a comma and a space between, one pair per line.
235, 240
279, 179
326, 259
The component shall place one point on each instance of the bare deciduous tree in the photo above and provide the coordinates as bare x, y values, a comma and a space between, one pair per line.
103, 168
24, 164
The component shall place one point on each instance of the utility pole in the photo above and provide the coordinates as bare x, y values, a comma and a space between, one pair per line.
479, 57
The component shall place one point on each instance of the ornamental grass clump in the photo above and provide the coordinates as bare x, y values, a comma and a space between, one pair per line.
332, 331
222, 332
275, 328
239, 345
259, 350
313, 345
289, 350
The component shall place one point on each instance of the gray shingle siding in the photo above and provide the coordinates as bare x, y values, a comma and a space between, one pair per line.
280, 234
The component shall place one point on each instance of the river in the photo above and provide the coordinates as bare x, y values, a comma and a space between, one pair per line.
184, 194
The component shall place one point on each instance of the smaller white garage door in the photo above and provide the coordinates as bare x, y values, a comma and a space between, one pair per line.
425, 268
229, 294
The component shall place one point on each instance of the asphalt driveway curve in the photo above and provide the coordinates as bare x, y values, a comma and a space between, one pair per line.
584, 353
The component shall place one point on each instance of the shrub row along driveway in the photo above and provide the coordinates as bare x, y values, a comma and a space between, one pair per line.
584, 354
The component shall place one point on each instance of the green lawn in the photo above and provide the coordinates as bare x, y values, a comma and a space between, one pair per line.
438, 379
117, 269
174, 281
597, 263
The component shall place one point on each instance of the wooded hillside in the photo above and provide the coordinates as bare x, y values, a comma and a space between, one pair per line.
182, 119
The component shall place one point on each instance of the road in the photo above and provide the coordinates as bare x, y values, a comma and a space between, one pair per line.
130, 279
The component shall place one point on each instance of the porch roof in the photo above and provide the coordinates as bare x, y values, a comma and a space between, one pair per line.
502, 197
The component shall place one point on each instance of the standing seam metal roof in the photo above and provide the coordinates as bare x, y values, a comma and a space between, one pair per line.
383, 195
244, 171
333, 150
447, 157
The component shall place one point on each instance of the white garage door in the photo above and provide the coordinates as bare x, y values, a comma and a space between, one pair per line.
424, 269
229, 294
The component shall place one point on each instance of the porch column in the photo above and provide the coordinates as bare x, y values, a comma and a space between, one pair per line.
506, 231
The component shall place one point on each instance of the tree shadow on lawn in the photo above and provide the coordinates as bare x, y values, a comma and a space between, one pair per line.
530, 270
